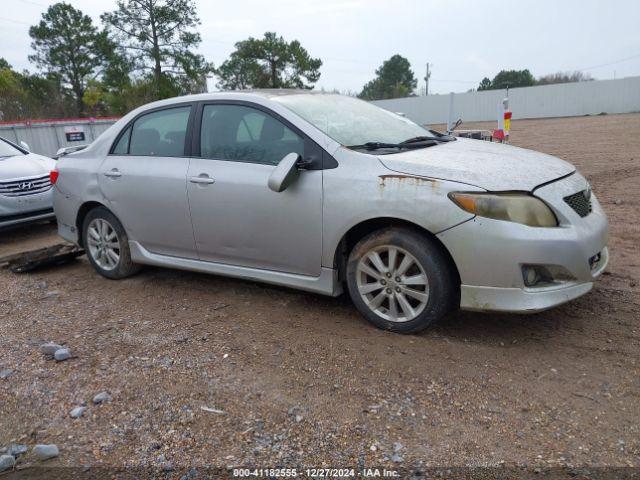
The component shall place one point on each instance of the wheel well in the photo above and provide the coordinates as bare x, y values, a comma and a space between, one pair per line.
359, 231
82, 213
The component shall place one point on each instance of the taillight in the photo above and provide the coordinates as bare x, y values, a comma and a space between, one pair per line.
53, 176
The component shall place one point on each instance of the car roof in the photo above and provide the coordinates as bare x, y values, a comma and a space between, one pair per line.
235, 95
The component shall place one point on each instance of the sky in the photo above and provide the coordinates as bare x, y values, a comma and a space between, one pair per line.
464, 40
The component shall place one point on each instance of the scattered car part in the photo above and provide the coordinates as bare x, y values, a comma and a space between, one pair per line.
43, 257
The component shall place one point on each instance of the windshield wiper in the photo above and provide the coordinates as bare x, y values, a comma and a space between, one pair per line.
427, 142
438, 138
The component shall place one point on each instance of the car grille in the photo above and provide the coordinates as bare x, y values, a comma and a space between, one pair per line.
580, 203
25, 186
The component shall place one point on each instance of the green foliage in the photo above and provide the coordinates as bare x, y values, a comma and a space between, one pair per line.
523, 78
394, 79
23, 95
69, 46
564, 77
270, 62
485, 84
156, 38
508, 79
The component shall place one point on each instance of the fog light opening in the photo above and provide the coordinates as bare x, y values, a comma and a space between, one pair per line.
545, 275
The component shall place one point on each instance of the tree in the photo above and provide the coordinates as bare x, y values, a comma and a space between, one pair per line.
485, 84
23, 95
564, 77
270, 62
158, 37
394, 79
68, 45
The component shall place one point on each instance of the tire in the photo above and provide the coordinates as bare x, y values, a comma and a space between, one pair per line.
107, 232
405, 301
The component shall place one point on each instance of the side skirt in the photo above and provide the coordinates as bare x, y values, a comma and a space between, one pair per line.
326, 284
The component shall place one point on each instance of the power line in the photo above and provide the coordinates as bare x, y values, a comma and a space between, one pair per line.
14, 21
610, 63
34, 3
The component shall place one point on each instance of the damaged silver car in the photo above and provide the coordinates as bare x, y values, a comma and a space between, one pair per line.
322, 192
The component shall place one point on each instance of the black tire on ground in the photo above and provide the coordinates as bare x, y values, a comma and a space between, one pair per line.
441, 275
125, 267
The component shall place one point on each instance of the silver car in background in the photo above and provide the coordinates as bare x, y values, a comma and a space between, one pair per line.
25, 187
320, 192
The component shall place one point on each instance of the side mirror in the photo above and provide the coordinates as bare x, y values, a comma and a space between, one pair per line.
285, 173
25, 145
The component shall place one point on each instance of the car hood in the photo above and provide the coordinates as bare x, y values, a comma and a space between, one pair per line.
492, 166
23, 166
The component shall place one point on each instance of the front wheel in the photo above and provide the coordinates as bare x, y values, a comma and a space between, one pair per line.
107, 244
400, 280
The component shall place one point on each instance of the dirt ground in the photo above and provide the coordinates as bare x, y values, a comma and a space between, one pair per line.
303, 380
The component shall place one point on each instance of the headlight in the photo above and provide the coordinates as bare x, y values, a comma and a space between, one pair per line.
512, 207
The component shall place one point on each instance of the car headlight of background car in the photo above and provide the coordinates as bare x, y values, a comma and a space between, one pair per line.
512, 207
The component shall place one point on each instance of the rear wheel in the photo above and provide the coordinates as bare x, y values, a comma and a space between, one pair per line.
400, 280
107, 244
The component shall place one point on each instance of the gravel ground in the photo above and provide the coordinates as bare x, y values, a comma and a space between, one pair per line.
207, 371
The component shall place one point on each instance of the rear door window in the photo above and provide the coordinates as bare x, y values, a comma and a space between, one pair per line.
161, 134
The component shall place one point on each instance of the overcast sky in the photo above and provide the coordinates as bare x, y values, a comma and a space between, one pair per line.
465, 40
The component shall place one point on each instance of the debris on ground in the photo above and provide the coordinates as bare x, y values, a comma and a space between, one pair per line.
77, 412
42, 257
45, 452
101, 398
7, 462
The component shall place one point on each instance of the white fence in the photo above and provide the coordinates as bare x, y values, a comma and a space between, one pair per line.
47, 136
560, 100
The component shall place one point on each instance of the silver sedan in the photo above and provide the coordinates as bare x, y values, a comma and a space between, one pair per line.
323, 192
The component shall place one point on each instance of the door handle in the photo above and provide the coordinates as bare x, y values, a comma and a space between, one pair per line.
203, 178
113, 173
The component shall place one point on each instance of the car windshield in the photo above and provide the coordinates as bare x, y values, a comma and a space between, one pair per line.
8, 150
350, 121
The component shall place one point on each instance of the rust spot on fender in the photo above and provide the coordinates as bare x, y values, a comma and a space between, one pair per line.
397, 179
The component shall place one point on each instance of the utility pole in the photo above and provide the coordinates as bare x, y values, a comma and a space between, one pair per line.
426, 79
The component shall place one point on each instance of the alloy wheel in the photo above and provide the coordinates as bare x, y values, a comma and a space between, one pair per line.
103, 243
392, 283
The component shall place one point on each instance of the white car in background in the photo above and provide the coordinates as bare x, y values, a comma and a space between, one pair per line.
25, 186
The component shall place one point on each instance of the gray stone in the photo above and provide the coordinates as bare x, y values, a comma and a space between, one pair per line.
397, 447
77, 412
299, 418
45, 452
52, 294
168, 467
62, 354
397, 458
50, 348
5, 373
101, 397
7, 462
16, 450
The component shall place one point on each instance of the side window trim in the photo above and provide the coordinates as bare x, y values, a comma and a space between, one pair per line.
312, 150
188, 133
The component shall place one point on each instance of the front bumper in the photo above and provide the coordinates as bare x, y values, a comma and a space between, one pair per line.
490, 254
25, 209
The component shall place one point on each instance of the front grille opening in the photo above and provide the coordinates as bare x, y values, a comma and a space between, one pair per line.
580, 203
25, 186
